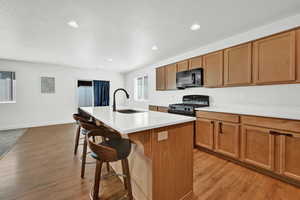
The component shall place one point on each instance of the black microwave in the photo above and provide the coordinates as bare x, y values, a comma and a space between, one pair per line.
190, 78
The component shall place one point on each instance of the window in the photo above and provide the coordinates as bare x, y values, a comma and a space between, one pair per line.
141, 88
7, 87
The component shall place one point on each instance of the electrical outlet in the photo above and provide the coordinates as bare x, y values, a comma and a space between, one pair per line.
162, 136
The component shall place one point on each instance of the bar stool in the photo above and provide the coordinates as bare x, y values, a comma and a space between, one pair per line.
111, 150
85, 127
78, 117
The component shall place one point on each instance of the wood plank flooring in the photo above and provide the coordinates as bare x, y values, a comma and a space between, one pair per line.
42, 166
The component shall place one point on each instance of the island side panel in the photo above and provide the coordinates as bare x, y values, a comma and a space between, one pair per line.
172, 162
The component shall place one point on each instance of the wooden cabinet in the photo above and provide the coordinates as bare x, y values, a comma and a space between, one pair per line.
289, 156
298, 54
195, 63
227, 138
171, 76
182, 66
205, 133
153, 108
274, 59
238, 65
160, 78
162, 109
213, 69
257, 147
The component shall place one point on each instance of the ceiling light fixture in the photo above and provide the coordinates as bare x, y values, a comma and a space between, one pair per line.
73, 24
154, 48
110, 60
195, 27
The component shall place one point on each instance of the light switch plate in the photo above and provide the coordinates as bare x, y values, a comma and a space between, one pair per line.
163, 135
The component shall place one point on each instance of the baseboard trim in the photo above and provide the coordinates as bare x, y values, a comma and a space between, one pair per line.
32, 125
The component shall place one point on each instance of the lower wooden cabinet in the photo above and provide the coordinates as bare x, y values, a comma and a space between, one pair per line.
261, 142
257, 147
205, 133
162, 109
152, 108
227, 138
289, 156
298, 54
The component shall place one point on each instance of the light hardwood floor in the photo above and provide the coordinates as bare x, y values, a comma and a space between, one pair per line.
42, 166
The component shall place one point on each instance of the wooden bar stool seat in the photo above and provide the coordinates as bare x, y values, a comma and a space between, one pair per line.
88, 126
79, 130
122, 146
113, 149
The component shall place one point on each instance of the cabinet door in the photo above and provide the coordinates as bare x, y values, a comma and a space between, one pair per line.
160, 78
195, 63
213, 69
227, 138
205, 133
274, 59
171, 77
238, 65
257, 147
289, 156
298, 54
183, 66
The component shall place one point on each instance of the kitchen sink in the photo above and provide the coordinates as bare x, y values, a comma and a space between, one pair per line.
129, 111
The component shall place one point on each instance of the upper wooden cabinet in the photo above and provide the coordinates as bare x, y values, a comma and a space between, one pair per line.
205, 133
195, 63
182, 66
171, 76
227, 138
238, 65
298, 54
257, 147
160, 78
213, 69
274, 59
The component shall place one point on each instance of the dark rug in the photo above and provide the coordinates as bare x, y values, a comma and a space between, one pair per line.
8, 139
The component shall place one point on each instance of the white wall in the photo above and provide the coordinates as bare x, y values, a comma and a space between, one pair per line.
274, 95
35, 109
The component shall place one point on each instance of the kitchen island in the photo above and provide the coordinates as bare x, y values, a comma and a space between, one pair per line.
161, 161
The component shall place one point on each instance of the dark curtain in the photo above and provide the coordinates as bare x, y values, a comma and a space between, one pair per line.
101, 93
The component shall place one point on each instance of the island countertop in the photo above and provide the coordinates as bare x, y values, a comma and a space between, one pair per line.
130, 123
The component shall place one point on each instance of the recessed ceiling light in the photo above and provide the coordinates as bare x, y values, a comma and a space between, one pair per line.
73, 24
195, 27
110, 60
154, 47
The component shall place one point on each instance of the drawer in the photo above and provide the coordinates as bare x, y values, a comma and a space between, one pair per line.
219, 116
272, 123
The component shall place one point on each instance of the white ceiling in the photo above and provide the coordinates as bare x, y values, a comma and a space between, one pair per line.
125, 30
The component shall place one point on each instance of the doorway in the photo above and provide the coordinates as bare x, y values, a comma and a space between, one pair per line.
93, 93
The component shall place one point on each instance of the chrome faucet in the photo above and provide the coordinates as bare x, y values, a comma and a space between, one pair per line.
114, 101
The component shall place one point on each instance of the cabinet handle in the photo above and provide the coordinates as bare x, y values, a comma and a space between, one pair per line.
220, 128
278, 133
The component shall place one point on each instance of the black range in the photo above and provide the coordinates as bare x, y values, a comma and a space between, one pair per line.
189, 104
